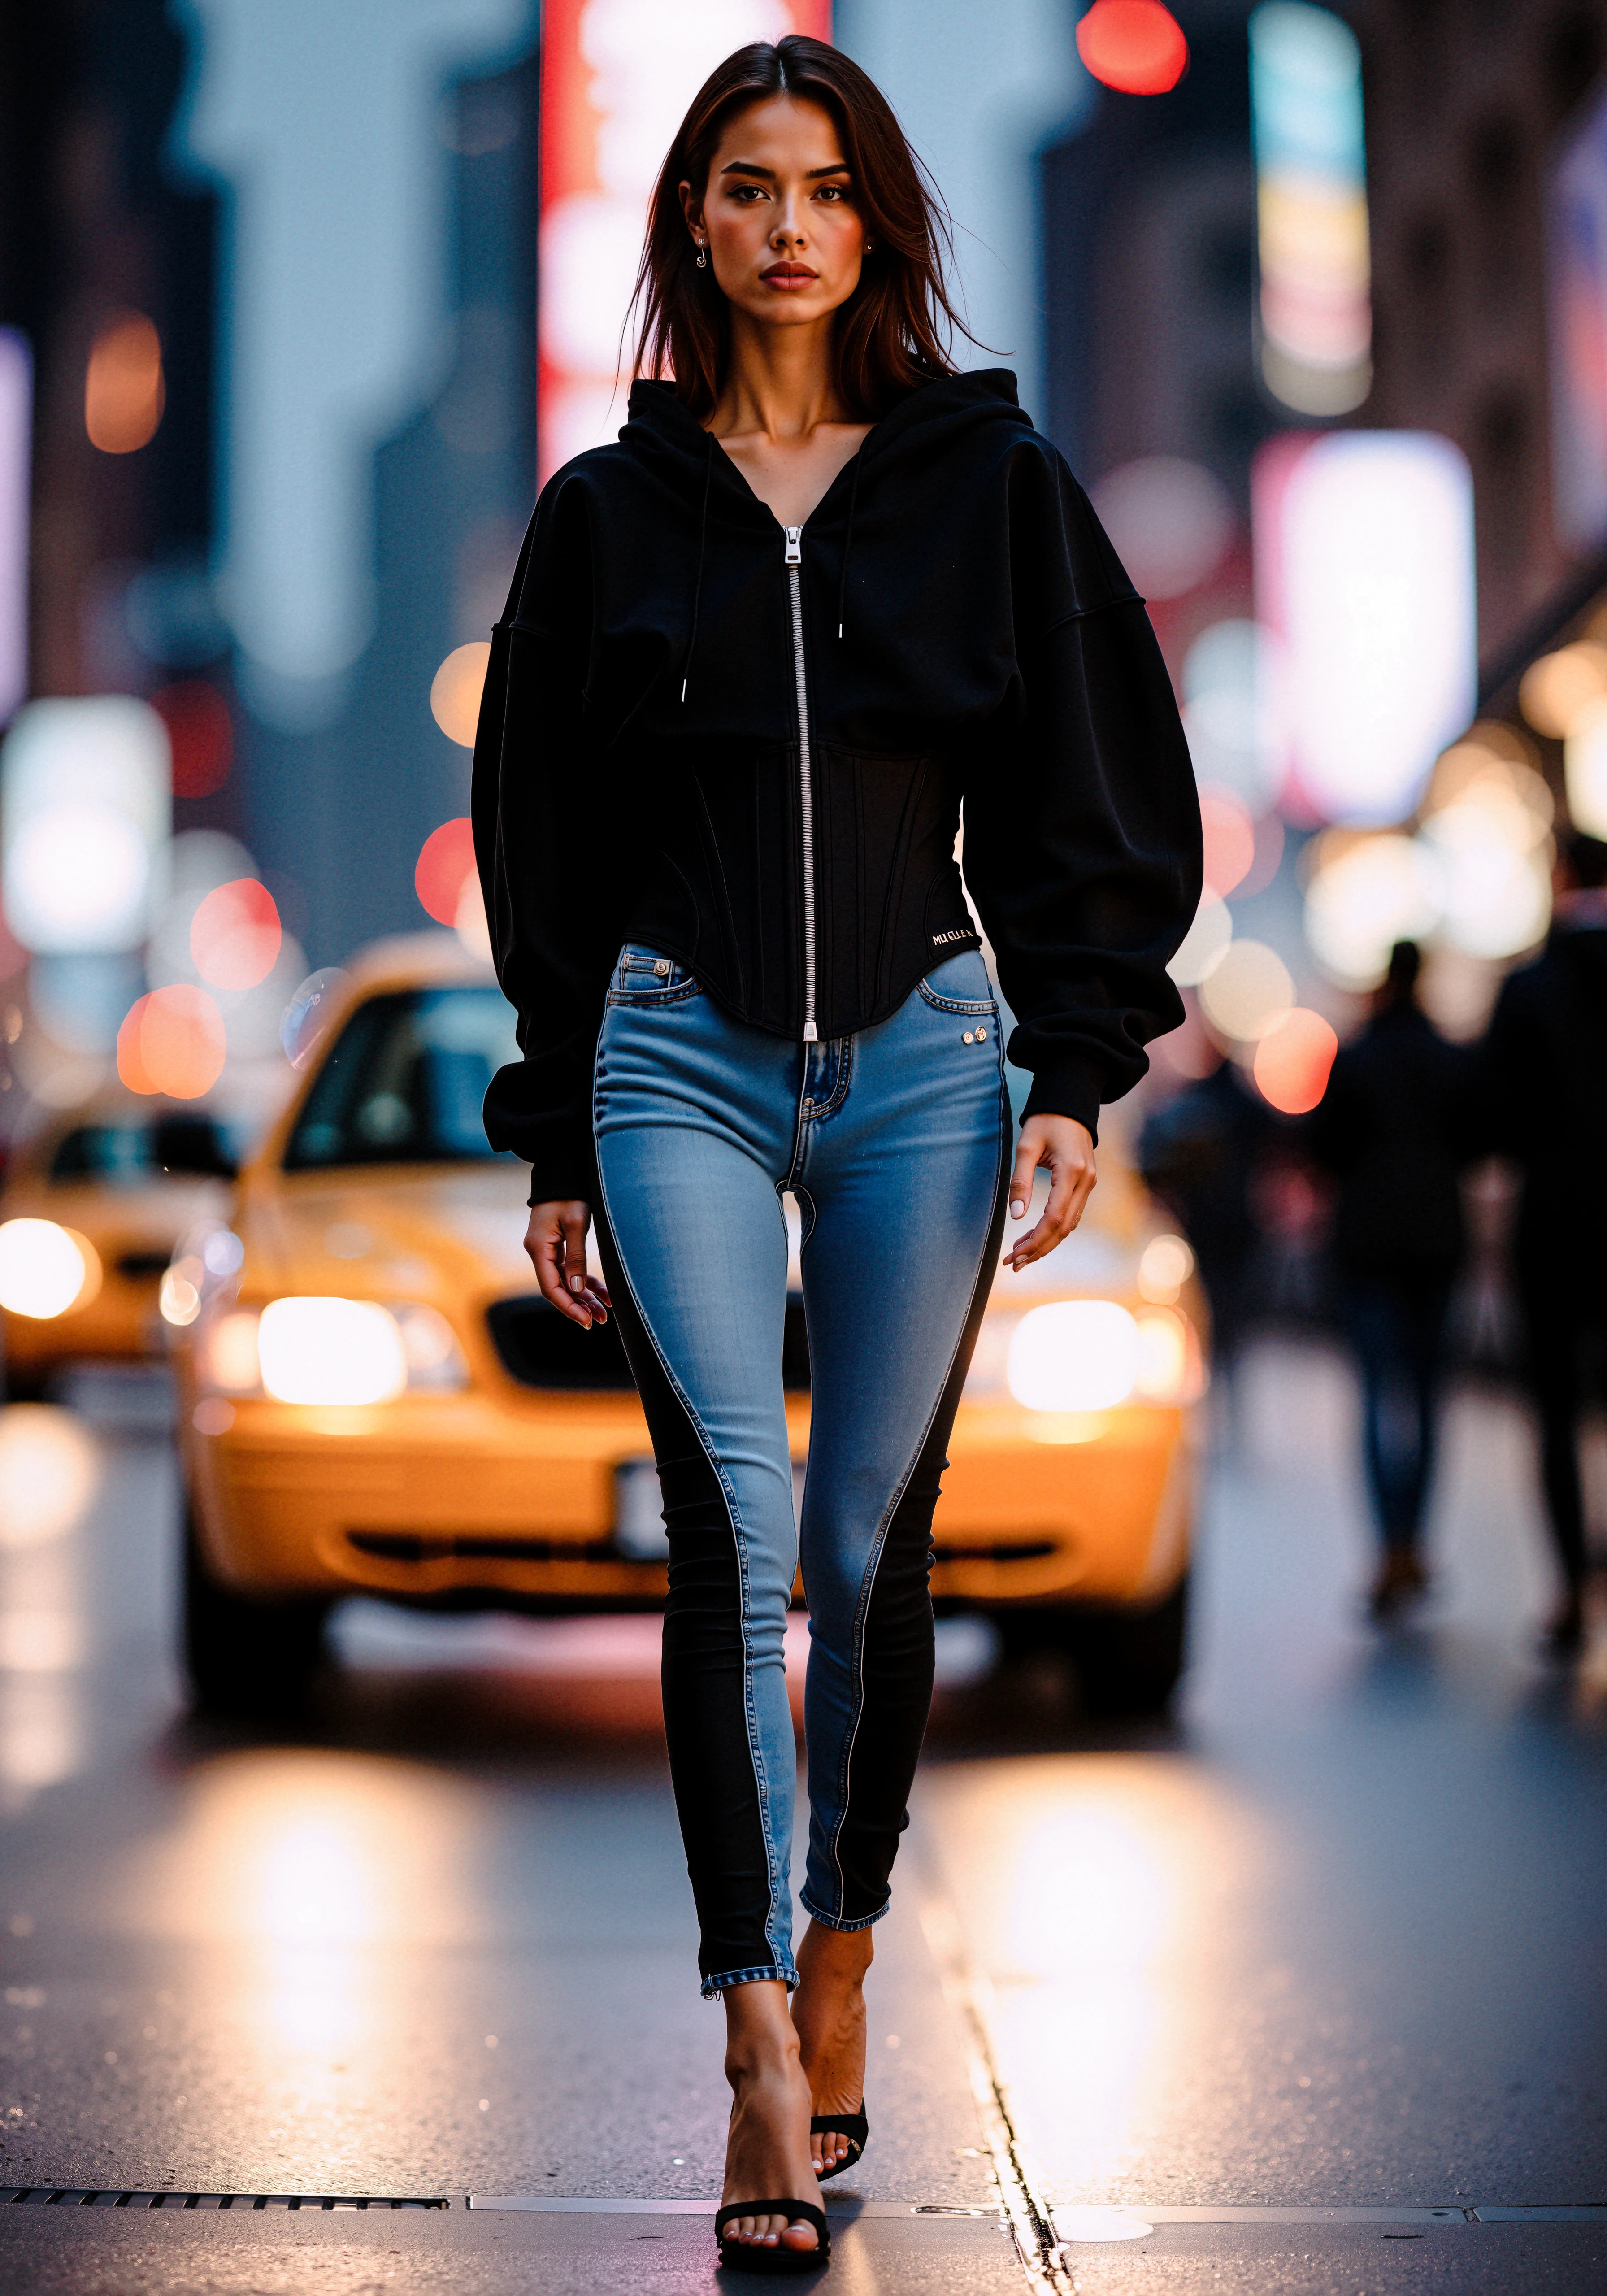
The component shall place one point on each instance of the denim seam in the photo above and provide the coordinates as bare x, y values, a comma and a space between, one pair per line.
840, 1092
869, 1586
957, 1004
645, 997
738, 1534
836, 1922
777, 1972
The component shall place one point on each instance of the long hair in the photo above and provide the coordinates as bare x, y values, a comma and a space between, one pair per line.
892, 330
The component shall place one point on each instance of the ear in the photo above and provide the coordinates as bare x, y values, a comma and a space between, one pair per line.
691, 208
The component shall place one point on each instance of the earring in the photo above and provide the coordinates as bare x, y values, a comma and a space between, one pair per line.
870, 246
702, 258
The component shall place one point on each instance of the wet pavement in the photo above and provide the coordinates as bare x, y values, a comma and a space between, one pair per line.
1305, 1991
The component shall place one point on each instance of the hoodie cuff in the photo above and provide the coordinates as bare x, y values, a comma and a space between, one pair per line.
562, 1177
1066, 1087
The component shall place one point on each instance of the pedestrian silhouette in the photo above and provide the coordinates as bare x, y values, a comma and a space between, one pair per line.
1395, 1128
1545, 1086
1202, 1155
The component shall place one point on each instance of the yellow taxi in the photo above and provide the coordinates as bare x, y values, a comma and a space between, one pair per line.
375, 1397
94, 1202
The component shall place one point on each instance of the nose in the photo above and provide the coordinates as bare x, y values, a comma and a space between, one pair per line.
787, 233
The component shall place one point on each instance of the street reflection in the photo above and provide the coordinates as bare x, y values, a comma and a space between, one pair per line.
1092, 1896
50, 1472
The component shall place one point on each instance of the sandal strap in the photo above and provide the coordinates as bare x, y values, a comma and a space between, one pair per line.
793, 2210
851, 2124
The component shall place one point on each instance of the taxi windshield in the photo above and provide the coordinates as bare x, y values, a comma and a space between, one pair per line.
403, 1081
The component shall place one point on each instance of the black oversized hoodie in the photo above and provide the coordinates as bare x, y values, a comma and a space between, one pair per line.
749, 747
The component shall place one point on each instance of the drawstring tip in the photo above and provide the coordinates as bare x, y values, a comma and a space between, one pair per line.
840, 630
683, 693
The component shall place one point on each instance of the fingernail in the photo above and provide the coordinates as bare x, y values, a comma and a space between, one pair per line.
577, 1284
1016, 1209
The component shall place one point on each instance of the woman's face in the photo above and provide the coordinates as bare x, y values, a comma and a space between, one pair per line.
785, 237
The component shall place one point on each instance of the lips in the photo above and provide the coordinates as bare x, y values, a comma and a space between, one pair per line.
788, 274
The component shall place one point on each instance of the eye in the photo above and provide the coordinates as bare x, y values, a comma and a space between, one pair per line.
837, 194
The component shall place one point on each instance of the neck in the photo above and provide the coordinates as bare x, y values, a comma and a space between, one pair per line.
780, 380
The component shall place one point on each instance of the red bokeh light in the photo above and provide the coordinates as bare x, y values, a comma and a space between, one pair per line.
172, 1042
235, 935
1136, 45
445, 866
1292, 1060
201, 733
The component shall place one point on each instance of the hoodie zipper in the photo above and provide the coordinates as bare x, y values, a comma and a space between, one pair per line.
793, 562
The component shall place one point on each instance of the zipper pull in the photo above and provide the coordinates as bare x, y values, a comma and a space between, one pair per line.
795, 535
809, 1034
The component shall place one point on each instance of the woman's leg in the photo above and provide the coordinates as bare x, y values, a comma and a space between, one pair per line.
694, 1118
903, 1159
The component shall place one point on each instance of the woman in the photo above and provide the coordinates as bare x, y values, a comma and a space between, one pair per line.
756, 654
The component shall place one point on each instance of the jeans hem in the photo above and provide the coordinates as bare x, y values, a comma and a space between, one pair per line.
775, 1972
835, 1920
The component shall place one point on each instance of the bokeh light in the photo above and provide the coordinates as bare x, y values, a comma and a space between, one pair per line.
1073, 1355
172, 1042
1559, 689
1164, 1268
46, 1269
1293, 1060
445, 865
1204, 945
1306, 102
456, 691
1231, 694
1585, 771
1136, 45
1230, 839
123, 389
1170, 523
86, 814
1366, 894
77, 879
236, 933
1365, 573
201, 733
470, 922
309, 1012
1248, 991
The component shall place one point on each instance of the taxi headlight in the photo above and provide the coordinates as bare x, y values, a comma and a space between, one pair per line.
1074, 1355
46, 1269
330, 1351
287, 1349
1170, 1368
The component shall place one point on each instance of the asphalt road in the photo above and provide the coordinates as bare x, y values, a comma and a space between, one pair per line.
1304, 1992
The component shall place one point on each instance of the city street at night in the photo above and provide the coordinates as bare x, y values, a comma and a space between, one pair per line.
1303, 1991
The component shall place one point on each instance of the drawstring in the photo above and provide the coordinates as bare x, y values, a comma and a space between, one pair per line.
847, 544
697, 589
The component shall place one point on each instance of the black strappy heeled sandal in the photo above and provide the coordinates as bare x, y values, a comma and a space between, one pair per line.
748, 2256
854, 2126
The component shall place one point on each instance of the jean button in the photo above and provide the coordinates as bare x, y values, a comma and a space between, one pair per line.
661, 966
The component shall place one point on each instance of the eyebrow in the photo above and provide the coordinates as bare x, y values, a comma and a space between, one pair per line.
753, 168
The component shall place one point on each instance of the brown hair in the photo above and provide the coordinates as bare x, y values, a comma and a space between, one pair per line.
890, 332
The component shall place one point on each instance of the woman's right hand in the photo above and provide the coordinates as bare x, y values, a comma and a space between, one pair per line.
555, 1240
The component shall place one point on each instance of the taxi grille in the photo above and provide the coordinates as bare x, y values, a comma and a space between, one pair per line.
539, 1348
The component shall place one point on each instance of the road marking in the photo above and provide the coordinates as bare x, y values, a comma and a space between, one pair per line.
969, 1996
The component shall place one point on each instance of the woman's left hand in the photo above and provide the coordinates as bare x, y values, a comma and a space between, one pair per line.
1066, 1148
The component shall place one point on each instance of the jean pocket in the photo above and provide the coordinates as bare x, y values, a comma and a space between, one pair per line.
643, 977
960, 984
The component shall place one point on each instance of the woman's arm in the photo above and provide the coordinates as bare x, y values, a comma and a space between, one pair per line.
555, 1241
553, 931
1082, 821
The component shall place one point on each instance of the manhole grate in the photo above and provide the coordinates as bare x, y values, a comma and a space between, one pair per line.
70, 2196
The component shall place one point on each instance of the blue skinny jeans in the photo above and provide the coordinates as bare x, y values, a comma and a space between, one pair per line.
896, 1143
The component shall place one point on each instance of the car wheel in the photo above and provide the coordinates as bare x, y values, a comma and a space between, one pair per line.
243, 1657
1128, 1659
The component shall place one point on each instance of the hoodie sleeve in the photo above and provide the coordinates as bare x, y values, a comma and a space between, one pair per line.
550, 918
1082, 821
